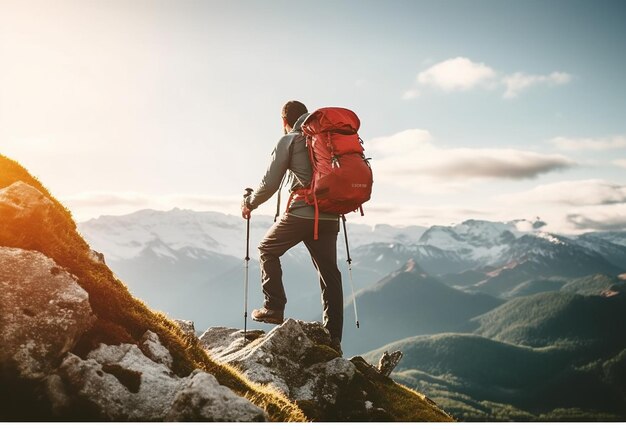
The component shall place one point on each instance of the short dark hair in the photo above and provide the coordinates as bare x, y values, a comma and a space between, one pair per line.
293, 110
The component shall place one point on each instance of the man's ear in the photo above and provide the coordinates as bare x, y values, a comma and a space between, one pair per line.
285, 126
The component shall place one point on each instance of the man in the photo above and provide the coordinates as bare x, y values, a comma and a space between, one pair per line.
296, 226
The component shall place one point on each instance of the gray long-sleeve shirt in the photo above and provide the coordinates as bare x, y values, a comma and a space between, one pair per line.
290, 154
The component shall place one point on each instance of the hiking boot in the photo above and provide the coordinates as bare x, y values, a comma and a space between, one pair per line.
267, 316
335, 344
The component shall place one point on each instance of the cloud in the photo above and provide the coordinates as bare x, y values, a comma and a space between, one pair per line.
571, 193
456, 74
597, 144
518, 82
463, 74
419, 214
602, 218
410, 94
411, 159
91, 204
621, 162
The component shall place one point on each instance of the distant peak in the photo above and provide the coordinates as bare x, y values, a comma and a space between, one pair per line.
411, 266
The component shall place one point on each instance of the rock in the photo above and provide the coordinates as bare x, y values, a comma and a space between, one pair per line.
96, 256
204, 399
187, 327
43, 312
119, 383
152, 348
20, 200
223, 341
388, 362
286, 358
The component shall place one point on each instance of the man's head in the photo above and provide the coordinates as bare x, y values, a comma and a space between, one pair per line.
291, 112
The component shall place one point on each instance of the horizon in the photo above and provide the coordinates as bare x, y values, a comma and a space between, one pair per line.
515, 223
489, 110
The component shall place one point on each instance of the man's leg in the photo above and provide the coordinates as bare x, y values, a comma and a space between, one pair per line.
324, 254
283, 235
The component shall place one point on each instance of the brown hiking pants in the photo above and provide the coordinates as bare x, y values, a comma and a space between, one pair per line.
285, 234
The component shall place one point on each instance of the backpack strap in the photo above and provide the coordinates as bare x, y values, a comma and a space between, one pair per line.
282, 184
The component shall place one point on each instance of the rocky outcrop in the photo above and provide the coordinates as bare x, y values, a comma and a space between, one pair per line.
120, 383
286, 358
20, 200
43, 313
202, 398
297, 359
187, 327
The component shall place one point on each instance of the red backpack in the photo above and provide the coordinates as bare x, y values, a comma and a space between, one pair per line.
342, 176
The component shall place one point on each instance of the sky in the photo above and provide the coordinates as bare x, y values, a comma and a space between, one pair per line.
495, 110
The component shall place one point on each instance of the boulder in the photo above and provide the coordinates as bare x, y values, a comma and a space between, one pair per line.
121, 383
20, 200
43, 312
295, 358
187, 327
153, 349
202, 398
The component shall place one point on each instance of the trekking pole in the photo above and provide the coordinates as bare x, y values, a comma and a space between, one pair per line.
245, 282
349, 260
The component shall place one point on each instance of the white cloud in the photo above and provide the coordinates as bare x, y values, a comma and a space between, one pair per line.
462, 74
590, 192
599, 218
580, 144
410, 94
518, 82
91, 204
621, 162
419, 214
458, 73
410, 158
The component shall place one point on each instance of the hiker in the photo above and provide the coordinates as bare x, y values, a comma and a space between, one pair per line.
296, 225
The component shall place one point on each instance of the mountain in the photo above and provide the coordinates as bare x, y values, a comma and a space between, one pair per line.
481, 379
539, 257
593, 323
598, 284
409, 302
615, 237
547, 357
536, 286
611, 245
167, 256
479, 242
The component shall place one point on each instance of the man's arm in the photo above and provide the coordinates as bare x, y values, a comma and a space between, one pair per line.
279, 163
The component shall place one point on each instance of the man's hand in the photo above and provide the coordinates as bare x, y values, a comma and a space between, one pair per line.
245, 209
245, 212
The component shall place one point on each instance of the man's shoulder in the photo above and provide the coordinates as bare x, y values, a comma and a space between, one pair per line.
286, 140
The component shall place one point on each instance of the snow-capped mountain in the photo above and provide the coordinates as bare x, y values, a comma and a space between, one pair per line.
190, 264
169, 257
126, 237
481, 242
